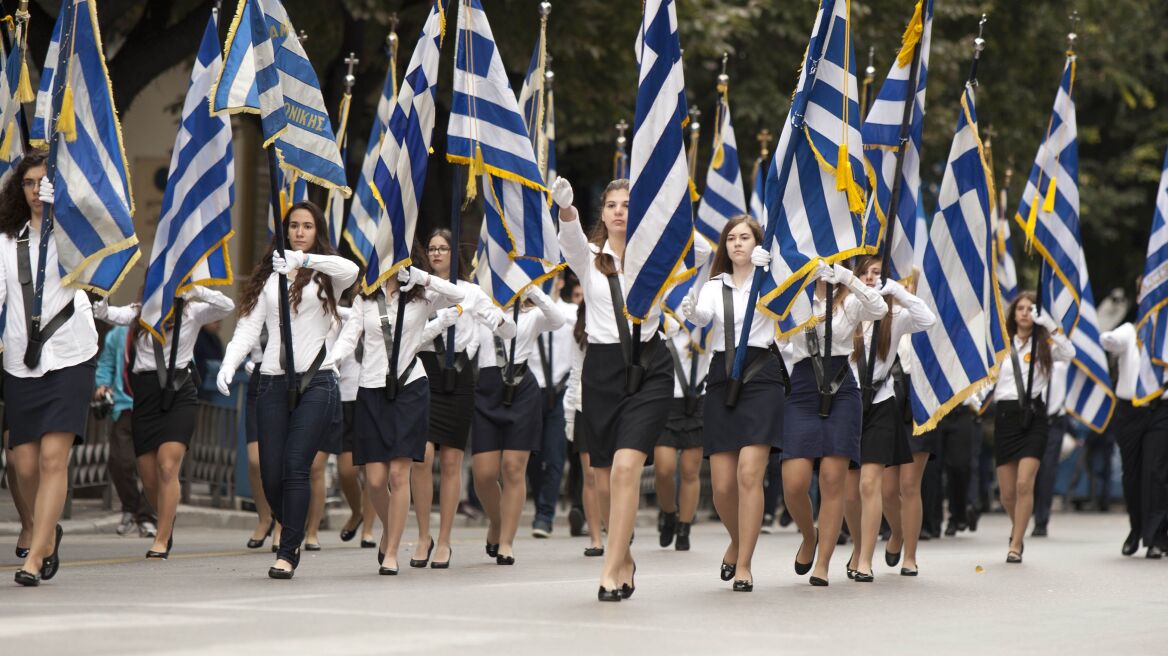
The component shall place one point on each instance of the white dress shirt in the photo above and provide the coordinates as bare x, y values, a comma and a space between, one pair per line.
711, 308
600, 319
1056, 397
909, 315
367, 318
1122, 342
311, 321
466, 327
73, 343
572, 397
562, 341
862, 304
209, 307
1061, 350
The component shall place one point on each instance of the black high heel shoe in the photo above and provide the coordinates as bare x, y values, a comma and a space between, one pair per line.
803, 568
446, 565
32, 580
627, 589
253, 543
608, 595
419, 564
50, 565
347, 534
728, 570
492, 550
1015, 557
743, 586
162, 555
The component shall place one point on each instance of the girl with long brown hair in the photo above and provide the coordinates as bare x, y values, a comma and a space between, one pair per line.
884, 443
290, 437
1020, 425
739, 440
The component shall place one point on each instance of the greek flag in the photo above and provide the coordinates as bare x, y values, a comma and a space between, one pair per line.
265, 50
671, 304
190, 246
757, 199
533, 99
724, 197
1048, 212
43, 117
1089, 395
960, 354
93, 205
334, 209
500, 276
11, 141
660, 227
1004, 252
881, 134
399, 173
364, 212
549, 132
1152, 322
817, 212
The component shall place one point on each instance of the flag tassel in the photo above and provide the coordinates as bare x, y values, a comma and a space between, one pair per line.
24, 92
66, 120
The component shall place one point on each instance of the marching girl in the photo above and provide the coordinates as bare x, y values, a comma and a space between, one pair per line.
451, 402
47, 383
739, 439
1020, 433
391, 421
884, 444
622, 424
832, 441
508, 422
165, 400
290, 437
682, 433
589, 496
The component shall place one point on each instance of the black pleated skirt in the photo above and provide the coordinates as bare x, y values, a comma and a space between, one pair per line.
348, 411
497, 427
683, 431
805, 433
386, 430
884, 440
451, 413
616, 420
1012, 441
56, 402
152, 425
757, 418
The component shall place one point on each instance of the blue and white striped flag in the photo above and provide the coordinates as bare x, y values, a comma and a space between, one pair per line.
93, 205
818, 213
1152, 321
660, 227
1089, 396
364, 212
11, 141
334, 209
307, 147
500, 276
533, 99
1048, 212
724, 197
190, 246
399, 174
757, 198
960, 354
1150, 381
549, 131
881, 133
42, 118
1004, 252
487, 132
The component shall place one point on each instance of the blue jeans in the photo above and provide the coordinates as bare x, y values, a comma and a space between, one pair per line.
546, 469
288, 442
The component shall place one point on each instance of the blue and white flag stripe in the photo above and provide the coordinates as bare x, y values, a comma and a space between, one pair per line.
660, 226
1089, 395
190, 246
249, 80
500, 276
961, 353
818, 215
93, 204
758, 182
364, 212
11, 141
881, 133
1150, 382
724, 197
1153, 293
399, 173
40, 129
1004, 246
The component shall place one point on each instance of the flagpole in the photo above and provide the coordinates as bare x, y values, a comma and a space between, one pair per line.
20, 33
893, 210
282, 282
459, 175
866, 98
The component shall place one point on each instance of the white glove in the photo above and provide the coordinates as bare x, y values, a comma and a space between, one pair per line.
407, 277
760, 257
570, 426
195, 293
562, 194
223, 381
249, 367
892, 288
1043, 319
45, 191
446, 317
490, 315
838, 275
687, 308
823, 272
291, 261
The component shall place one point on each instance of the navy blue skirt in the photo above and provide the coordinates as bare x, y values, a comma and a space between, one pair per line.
805, 433
757, 418
497, 427
885, 441
616, 420
386, 430
55, 402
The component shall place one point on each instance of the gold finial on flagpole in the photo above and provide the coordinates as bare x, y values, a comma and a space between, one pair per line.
764, 143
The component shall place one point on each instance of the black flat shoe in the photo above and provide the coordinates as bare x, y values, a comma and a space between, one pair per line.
50, 565
504, 560
253, 543
492, 550
608, 595
627, 589
22, 552
904, 571
861, 577
1130, 545
743, 586
1015, 556
26, 579
818, 582
282, 574
312, 546
446, 565
162, 555
419, 564
387, 571
851, 573
667, 527
803, 568
593, 552
892, 559
347, 534
1154, 552
728, 570
368, 544
682, 543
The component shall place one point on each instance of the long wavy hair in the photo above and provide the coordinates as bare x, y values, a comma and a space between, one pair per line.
320, 246
722, 263
884, 337
1042, 334
14, 209
604, 262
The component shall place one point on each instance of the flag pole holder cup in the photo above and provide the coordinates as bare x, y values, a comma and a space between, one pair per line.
733, 392
634, 378
509, 387
826, 397
691, 404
